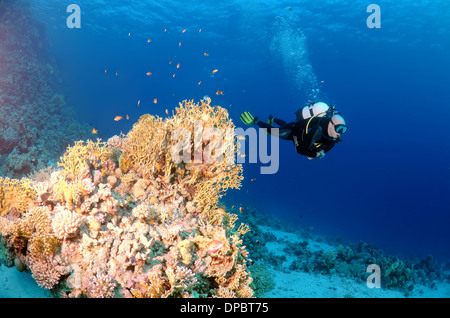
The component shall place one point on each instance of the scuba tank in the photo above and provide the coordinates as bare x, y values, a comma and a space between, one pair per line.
318, 109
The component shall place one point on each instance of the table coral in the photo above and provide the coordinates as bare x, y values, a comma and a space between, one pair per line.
155, 230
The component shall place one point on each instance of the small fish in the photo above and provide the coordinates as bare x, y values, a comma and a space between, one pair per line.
200, 30
219, 92
179, 44
165, 30
139, 102
184, 30
116, 73
94, 131
214, 246
106, 71
148, 73
117, 118
167, 111
322, 82
215, 71
240, 137
243, 155
199, 82
170, 62
173, 75
155, 100
206, 54
240, 209
149, 40
178, 65
232, 207
129, 34
128, 117
252, 179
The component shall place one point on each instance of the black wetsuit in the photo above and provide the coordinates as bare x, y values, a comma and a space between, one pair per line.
308, 144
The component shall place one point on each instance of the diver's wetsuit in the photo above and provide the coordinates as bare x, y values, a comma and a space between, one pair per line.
308, 144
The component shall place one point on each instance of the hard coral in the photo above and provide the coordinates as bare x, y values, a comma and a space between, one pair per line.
65, 223
154, 227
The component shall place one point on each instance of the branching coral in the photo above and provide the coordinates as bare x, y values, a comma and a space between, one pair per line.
15, 195
65, 223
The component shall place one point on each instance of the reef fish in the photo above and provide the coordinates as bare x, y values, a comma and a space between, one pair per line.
219, 92
148, 73
117, 118
94, 131
215, 71
214, 246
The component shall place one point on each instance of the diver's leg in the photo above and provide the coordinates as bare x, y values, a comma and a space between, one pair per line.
279, 122
284, 132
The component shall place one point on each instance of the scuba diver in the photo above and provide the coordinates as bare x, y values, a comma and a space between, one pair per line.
317, 129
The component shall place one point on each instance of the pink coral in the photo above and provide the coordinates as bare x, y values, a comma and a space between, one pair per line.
44, 273
102, 286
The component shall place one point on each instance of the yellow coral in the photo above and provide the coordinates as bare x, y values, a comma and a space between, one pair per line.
16, 194
146, 143
69, 192
125, 163
76, 157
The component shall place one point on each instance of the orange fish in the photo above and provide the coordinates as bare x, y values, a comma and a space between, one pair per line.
139, 102
240, 209
219, 92
232, 207
252, 179
165, 30
179, 44
178, 65
155, 100
94, 131
106, 71
173, 75
170, 62
128, 117
199, 30
215, 71
167, 111
117, 118
184, 30
149, 40
206, 54
214, 246
116, 73
199, 82
148, 73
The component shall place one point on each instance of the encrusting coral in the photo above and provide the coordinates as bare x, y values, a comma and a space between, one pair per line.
127, 218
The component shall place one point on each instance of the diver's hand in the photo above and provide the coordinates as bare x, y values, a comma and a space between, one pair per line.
320, 154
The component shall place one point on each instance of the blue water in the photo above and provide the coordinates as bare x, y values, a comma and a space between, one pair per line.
387, 183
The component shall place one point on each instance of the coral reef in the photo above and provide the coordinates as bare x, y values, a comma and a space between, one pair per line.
334, 257
90, 229
36, 125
